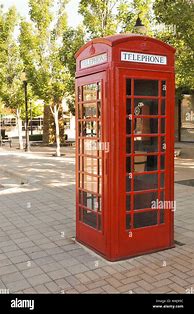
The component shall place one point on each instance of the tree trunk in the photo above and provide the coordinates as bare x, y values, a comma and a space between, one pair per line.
49, 129
19, 125
55, 112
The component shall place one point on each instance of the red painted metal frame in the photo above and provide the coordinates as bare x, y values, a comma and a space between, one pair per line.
114, 242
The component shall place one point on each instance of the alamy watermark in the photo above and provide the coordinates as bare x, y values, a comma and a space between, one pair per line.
157, 204
165, 28
97, 146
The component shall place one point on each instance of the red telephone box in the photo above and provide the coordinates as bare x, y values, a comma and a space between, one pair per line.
125, 145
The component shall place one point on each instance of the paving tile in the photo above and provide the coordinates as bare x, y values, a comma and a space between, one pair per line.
76, 269
72, 280
131, 279
57, 274
96, 284
18, 286
63, 284
144, 285
16, 276
51, 267
38, 279
114, 282
32, 271
41, 289
163, 282
83, 278
110, 289
52, 287
128, 288
7, 269
59, 265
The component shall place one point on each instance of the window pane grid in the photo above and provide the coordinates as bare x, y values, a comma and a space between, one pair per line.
152, 151
89, 157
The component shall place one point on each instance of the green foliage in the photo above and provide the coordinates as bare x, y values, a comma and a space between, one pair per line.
73, 39
47, 46
40, 47
179, 13
11, 92
128, 11
99, 16
35, 137
102, 18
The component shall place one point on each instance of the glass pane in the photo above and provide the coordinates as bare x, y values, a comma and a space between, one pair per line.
80, 166
80, 146
92, 165
145, 219
128, 184
89, 110
128, 107
128, 202
99, 109
80, 180
145, 87
162, 180
89, 129
91, 147
145, 144
145, 182
163, 125
90, 218
146, 107
145, 163
163, 91
79, 111
90, 92
80, 197
128, 126
140, 163
163, 107
162, 162
128, 87
128, 221
146, 200
91, 201
146, 126
128, 145
92, 184
99, 90
128, 164
152, 163
79, 129
163, 144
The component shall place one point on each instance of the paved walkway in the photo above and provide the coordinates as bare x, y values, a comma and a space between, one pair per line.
37, 225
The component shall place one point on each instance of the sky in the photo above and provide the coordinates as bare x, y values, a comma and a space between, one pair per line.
22, 7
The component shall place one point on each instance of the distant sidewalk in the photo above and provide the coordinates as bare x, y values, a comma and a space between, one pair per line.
38, 165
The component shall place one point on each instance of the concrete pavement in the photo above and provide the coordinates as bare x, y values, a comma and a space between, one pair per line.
38, 253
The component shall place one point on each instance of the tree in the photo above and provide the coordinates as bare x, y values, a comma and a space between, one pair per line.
180, 15
99, 16
102, 18
11, 93
40, 46
73, 39
128, 11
